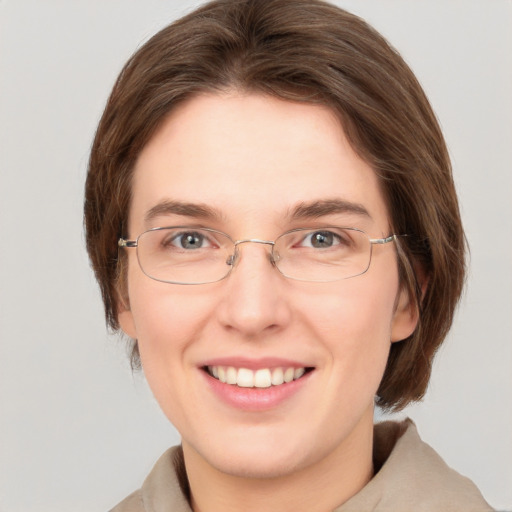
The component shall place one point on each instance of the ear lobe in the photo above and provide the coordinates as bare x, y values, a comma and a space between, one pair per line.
124, 314
126, 322
407, 311
405, 317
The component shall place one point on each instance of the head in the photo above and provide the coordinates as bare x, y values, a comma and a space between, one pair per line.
307, 52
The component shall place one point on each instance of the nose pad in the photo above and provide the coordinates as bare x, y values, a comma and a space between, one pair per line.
232, 259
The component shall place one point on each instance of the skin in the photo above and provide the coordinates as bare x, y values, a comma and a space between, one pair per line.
254, 158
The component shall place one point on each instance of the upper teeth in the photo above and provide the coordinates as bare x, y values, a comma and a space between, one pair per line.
263, 378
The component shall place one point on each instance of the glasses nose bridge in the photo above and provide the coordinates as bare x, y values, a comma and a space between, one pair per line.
253, 241
232, 260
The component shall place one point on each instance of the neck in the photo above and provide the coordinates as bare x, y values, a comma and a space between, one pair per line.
318, 487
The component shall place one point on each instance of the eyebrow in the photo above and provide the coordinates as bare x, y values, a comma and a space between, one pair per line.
197, 210
315, 209
303, 210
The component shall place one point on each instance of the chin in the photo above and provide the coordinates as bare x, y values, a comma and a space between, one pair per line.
267, 457
257, 467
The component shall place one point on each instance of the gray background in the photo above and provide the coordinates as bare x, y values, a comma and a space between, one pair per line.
77, 431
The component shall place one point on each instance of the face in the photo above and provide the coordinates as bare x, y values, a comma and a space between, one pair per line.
249, 162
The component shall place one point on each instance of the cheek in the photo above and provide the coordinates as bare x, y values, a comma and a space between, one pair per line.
165, 320
353, 307
168, 323
354, 323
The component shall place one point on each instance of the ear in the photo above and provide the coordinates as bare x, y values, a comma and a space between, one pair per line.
127, 324
405, 317
125, 318
407, 314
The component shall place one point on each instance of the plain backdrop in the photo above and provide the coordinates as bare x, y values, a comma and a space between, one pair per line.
78, 432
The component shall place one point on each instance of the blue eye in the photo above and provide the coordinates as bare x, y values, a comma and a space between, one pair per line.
184, 240
191, 240
321, 239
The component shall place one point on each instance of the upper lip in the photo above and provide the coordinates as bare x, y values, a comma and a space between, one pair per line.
255, 363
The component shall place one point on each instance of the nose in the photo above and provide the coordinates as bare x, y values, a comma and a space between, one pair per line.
255, 300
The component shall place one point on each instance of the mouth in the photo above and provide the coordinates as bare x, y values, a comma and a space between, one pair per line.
261, 378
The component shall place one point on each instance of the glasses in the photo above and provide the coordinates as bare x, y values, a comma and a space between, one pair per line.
186, 255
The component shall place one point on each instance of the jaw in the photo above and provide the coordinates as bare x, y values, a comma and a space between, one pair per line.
261, 471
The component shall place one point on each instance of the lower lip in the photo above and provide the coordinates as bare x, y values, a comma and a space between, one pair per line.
255, 399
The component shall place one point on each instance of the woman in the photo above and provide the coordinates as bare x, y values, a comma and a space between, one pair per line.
271, 216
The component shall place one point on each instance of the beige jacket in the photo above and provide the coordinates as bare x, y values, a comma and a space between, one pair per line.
410, 477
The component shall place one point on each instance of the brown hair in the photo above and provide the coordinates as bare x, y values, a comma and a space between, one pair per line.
299, 50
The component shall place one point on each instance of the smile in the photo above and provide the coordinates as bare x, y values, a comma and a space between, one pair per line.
261, 378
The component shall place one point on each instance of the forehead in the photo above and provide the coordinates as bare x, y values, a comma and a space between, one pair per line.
251, 158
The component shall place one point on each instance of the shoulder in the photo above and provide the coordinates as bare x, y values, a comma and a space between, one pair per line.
164, 489
132, 503
410, 475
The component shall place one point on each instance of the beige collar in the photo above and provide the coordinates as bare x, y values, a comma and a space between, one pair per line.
409, 476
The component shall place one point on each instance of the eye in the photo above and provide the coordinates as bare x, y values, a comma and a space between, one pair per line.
188, 240
321, 239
